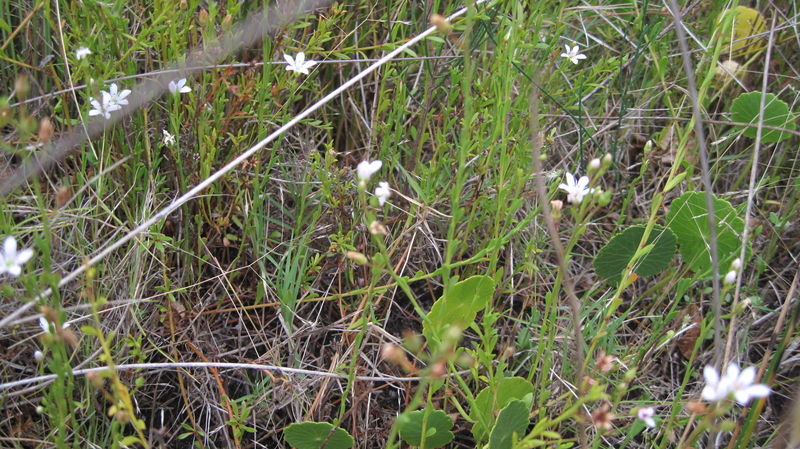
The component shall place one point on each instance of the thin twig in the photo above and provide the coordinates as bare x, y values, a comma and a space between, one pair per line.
706, 178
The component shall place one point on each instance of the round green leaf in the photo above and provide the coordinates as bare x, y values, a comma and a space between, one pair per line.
317, 435
514, 418
459, 305
776, 113
688, 219
611, 261
437, 429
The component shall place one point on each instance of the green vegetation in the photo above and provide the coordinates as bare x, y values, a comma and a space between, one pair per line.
529, 264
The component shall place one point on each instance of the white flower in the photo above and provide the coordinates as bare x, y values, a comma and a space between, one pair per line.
299, 63
82, 52
738, 383
169, 139
10, 260
572, 54
179, 87
646, 414
730, 278
38, 356
575, 190
383, 192
99, 108
366, 169
45, 325
117, 97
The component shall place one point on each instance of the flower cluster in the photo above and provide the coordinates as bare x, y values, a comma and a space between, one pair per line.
111, 100
11, 260
736, 383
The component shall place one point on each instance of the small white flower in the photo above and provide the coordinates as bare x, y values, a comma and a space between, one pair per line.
99, 109
730, 278
576, 190
38, 356
169, 139
572, 54
742, 386
298, 64
179, 87
45, 325
738, 383
82, 52
117, 97
383, 192
366, 169
11, 260
646, 414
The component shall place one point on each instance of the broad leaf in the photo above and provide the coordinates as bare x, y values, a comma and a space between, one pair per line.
776, 113
458, 306
614, 257
514, 418
437, 429
688, 219
490, 400
317, 435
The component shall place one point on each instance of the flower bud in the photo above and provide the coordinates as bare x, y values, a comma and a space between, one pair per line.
595, 165
727, 71
441, 23
45, 130
730, 278
392, 353
604, 198
376, 227
736, 265
356, 257
202, 16
555, 209
38, 356
607, 160
21, 87
39, 410
648, 147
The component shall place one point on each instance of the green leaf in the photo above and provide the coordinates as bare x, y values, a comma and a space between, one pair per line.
613, 258
776, 113
491, 399
688, 219
514, 418
458, 306
317, 435
437, 429
747, 25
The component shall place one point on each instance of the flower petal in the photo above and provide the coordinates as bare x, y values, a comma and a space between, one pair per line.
24, 256
711, 376
298, 60
747, 377
10, 246
44, 324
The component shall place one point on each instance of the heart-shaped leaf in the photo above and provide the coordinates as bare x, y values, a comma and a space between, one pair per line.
317, 435
614, 257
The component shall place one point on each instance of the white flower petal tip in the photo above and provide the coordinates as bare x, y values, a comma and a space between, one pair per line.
572, 54
366, 169
646, 414
298, 64
82, 52
383, 192
178, 87
11, 260
576, 190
